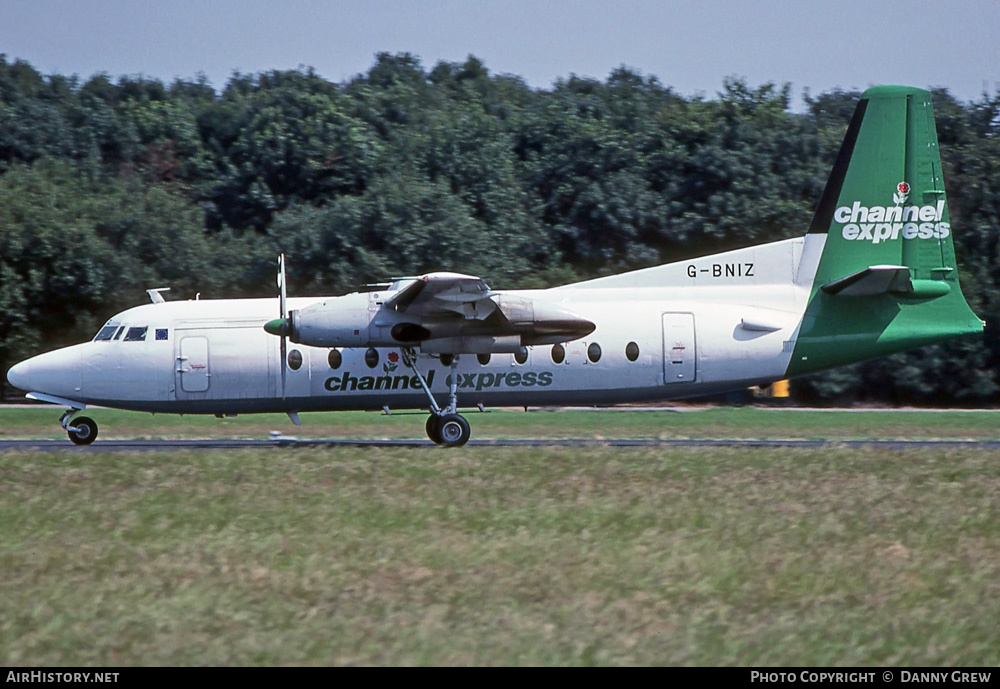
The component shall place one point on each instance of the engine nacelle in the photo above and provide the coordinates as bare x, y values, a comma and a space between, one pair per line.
334, 322
538, 322
362, 320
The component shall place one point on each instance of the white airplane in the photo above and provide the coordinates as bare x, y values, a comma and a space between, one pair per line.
875, 274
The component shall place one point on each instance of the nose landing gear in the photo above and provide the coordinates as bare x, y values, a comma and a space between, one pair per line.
83, 430
444, 426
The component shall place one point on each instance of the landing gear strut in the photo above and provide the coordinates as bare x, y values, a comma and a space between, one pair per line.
83, 431
444, 426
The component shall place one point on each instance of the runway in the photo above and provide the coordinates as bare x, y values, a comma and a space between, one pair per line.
287, 442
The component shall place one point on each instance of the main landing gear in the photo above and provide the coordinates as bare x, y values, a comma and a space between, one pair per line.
83, 431
444, 426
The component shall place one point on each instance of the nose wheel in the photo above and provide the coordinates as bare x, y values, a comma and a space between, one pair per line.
82, 430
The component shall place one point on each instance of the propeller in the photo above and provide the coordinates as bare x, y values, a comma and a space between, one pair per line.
280, 326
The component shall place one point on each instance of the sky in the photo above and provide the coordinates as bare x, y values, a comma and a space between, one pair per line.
688, 45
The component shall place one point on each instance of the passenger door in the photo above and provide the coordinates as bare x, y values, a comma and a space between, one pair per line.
228, 360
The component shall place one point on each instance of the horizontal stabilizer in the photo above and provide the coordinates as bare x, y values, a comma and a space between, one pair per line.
872, 281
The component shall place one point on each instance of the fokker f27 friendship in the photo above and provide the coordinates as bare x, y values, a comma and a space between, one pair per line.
874, 274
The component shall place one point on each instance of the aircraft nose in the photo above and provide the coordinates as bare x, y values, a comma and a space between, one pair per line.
55, 373
18, 375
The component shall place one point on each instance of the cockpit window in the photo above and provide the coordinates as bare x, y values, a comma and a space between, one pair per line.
106, 332
136, 334
118, 335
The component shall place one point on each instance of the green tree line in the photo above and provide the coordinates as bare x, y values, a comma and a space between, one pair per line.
109, 187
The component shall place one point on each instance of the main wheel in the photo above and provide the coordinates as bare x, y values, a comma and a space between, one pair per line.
86, 431
434, 428
454, 430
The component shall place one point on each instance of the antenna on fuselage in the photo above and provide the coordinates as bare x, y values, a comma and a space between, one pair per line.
155, 296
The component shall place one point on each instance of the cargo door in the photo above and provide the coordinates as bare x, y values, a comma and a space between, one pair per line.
192, 364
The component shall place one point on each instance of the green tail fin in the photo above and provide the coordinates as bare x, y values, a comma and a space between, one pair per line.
887, 279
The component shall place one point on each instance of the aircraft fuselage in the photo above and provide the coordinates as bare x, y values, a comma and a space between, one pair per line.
650, 343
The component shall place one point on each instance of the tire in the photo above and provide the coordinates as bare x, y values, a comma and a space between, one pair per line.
434, 428
86, 432
454, 430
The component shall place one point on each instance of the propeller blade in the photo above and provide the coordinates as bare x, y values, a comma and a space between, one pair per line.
282, 295
283, 313
284, 365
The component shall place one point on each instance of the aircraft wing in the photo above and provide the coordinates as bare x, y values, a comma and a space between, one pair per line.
446, 313
443, 294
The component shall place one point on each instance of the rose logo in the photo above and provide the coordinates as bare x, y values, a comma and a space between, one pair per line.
390, 365
902, 192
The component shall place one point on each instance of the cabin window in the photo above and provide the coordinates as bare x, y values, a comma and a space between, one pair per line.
521, 355
161, 333
371, 357
295, 360
558, 353
136, 334
631, 351
483, 359
105, 333
594, 352
335, 358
